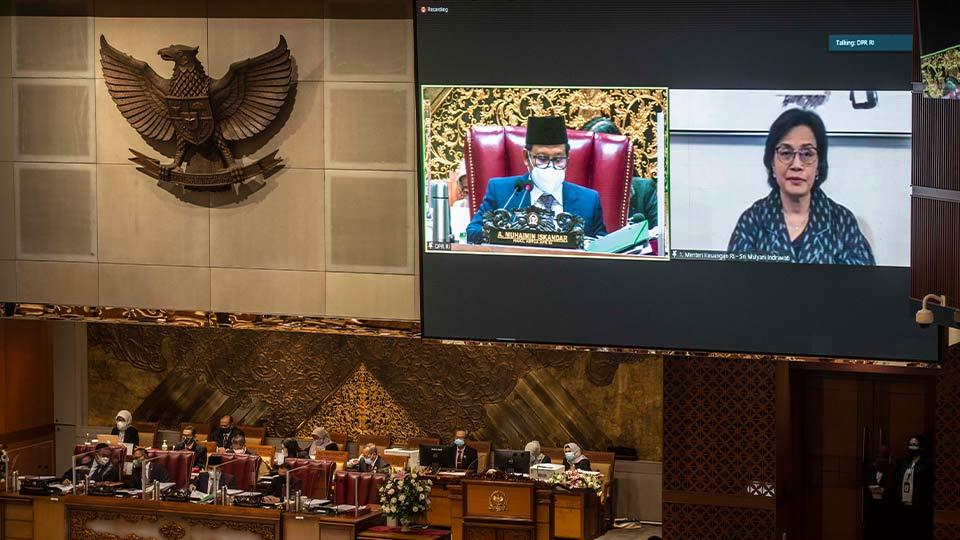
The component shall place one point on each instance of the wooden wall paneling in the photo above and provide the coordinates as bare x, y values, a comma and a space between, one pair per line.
946, 496
720, 454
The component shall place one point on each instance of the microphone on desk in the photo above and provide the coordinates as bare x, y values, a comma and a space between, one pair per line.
525, 185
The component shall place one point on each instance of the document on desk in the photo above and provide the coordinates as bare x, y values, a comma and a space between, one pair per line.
63, 489
452, 473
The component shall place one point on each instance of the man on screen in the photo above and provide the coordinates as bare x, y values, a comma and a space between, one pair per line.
544, 185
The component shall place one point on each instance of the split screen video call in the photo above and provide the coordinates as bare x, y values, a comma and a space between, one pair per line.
630, 173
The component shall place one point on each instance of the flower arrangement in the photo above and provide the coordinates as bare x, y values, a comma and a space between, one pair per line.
405, 496
576, 479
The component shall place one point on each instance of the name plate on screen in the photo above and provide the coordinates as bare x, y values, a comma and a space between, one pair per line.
533, 227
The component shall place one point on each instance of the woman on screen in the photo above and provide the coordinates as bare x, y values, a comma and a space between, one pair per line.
797, 221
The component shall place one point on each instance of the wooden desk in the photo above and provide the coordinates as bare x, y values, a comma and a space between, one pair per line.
446, 506
99, 517
319, 527
576, 514
24, 517
394, 533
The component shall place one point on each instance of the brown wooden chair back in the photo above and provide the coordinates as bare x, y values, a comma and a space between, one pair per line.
148, 427
253, 434
382, 441
415, 442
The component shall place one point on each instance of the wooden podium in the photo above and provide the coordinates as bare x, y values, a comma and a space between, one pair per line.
506, 510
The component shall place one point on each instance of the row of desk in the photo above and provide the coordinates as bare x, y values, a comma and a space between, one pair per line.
468, 509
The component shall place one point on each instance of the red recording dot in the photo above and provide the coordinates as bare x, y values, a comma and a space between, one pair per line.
528, 187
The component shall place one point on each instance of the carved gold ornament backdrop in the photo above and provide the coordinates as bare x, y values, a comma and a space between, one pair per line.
293, 382
450, 111
935, 69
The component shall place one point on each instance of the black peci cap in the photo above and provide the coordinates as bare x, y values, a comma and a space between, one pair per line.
546, 130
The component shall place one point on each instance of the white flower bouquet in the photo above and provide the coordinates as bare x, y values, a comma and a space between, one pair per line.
576, 479
405, 496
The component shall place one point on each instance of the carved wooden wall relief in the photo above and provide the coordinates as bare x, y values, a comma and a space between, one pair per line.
293, 382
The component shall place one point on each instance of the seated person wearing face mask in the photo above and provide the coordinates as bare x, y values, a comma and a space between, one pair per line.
238, 445
99, 469
321, 442
225, 432
188, 441
124, 431
278, 486
545, 156
155, 472
573, 458
536, 457
370, 460
464, 457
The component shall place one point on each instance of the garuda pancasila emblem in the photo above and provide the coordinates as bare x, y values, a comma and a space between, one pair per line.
204, 115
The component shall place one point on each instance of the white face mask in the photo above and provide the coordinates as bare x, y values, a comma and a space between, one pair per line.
548, 180
121, 425
103, 460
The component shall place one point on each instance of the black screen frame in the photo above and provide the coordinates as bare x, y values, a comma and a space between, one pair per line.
486, 298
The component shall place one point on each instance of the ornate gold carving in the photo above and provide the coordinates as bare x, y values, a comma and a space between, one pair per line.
362, 406
79, 519
497, 502
170, 530
935, 68
452, 110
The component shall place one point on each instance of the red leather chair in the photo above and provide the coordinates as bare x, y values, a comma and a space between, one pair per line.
243, 468
315, 482
599, 161
178, 464
347, 483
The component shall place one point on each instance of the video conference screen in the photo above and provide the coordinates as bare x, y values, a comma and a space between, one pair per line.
709, 175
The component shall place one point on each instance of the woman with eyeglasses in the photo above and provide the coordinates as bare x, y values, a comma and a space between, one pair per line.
797, 222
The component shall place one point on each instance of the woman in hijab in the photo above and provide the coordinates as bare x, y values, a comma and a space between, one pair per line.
574, 459
321, 441
124, 431
536, 457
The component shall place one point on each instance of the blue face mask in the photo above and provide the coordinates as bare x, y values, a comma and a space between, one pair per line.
459, 442
569, 456
369, 461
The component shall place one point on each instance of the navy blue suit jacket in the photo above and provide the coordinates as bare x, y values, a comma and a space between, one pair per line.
577, 200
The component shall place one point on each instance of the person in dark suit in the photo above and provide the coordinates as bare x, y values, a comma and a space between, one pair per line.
155, 472
225, 432
464, 456
291, 448
188, 441
544, 185
238, 445
278, 485
912, 493
877, 482
124, 431
102, 468
536, 456
573, 458
370, 460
